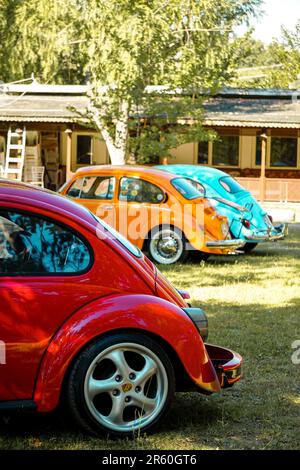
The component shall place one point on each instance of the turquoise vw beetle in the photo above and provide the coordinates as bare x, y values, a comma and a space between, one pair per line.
247, 219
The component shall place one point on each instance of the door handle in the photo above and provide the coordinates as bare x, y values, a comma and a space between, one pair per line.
107, 208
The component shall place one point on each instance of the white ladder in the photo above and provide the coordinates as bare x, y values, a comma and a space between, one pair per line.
14, 164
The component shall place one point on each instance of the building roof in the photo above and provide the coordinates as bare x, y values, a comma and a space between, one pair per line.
248, 111
41, 107
231, 107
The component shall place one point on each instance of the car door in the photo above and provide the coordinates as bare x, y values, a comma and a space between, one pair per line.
139, 209
97, 193
44, 273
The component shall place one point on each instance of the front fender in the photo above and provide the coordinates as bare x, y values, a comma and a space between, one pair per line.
143, 313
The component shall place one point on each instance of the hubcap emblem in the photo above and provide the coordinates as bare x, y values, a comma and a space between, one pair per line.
126, 387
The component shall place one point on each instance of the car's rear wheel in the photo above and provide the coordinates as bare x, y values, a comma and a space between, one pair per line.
248, 247
167, 245
122, 385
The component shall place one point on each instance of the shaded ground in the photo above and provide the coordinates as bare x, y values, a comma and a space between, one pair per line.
253, 307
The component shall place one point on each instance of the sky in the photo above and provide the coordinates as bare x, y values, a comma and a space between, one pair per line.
277, 13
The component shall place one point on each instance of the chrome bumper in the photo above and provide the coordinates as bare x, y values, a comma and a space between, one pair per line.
229, 244
281, 230
227, 364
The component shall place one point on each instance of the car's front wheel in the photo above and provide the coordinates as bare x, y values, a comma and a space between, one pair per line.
122, 384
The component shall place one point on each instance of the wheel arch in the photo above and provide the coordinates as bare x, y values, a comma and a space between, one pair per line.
174, 331
182, 379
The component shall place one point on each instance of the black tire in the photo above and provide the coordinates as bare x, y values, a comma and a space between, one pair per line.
158, 253
248, 247
90, 367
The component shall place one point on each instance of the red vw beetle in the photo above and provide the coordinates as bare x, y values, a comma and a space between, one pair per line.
86, 318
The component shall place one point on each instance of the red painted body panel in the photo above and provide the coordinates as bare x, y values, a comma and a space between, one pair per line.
138, 312
33, 308
45, 320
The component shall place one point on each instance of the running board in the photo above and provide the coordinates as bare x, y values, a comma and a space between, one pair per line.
18, 405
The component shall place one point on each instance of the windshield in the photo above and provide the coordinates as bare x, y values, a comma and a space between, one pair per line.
230, 185
189, 189
117, 235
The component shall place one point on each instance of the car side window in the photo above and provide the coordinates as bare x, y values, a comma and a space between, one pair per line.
198, 186
230, 185
138, 190
93, 187
34, 245
76, 187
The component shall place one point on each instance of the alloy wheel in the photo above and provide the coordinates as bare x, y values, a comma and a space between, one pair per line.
126, 387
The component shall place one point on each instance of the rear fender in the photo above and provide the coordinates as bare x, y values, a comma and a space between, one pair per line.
143, 313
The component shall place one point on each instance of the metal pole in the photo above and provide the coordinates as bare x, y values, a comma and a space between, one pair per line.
68, 132
262, 191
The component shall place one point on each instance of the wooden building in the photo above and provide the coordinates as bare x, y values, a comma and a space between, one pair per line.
54, 139
259, 134
259, 142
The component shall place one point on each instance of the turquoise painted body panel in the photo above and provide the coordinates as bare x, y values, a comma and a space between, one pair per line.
247, 219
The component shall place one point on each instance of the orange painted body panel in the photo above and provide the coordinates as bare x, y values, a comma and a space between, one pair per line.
197, 218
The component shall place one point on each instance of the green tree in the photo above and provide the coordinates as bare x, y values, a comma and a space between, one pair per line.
37, 37
129, 45
125, 46
275, 65
287, 53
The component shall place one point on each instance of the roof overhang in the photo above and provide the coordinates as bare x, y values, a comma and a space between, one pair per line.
250, 124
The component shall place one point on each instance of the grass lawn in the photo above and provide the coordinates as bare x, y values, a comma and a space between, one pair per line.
253, 306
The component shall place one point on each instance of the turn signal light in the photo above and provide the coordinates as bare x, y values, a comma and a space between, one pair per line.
184, 294
246, 223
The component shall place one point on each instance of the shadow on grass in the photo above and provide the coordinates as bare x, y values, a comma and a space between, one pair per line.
255, 413
289, 246
51, 430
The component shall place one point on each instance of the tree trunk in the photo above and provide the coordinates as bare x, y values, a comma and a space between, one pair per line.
116, 155
116, 148
121, 137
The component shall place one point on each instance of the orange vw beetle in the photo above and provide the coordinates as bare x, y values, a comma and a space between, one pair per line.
163, 214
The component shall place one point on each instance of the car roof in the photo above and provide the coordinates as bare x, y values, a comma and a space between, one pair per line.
205, 170
25, 193
126, 170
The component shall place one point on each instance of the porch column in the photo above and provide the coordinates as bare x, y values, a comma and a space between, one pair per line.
68, 133
262, 183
